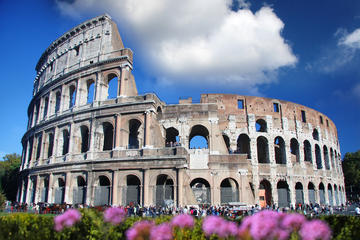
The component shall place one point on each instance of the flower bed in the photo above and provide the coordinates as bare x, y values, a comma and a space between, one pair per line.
113, 224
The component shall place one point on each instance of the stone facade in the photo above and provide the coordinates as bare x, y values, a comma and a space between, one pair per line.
84, 145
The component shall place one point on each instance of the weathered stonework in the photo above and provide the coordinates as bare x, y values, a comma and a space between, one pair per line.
83, 147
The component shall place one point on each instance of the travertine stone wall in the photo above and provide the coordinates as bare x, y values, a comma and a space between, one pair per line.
81, 146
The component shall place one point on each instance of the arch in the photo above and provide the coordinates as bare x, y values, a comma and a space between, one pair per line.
322, 193
134, 126
172, 137
299, 193
294, 150
50, 144
60, 191
283, 194
261, 125
108, 136
243, 145
79, 191
265, 196
66, 139
38, 148
227, 142
330, 195
90, 91
45, 189
326, 158
84, 130
279, 148
112, 86
132, 190
307, 151
201, 190
318, 157
315, 134
164, 191
57, 101
332, 159
229, 191
311, 192
336, 193
199, 137
72, 96
102, 191
262, 150
33, 190
46, 106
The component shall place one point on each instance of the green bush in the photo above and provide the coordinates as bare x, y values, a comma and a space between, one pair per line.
41, 227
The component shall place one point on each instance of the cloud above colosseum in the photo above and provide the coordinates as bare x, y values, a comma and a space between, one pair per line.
199, 41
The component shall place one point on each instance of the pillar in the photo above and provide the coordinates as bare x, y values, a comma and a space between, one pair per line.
68, 195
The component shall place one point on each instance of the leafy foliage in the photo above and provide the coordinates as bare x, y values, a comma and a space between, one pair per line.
351, 169
9, 175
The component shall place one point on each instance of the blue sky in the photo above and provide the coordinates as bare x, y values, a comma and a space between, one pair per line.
306, 52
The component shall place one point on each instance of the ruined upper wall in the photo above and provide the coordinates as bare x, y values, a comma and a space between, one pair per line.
241, 106
91, 42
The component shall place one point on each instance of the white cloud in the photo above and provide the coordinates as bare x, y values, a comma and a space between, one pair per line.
351, 40
199, 41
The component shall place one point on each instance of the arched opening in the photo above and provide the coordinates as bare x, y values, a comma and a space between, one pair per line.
336, 195
279, 148
158, 113
57, 101
311, 192
45, 190
229, 190
265, 197
90, 91
227, 142
46, 106
60, 191
262, 150
66, 139
307, 151
261, 125
51, 145
37, 111
322, 193
299, 194
102, 192
164, 191
294, 149
332, 158
199, 137
326, 158
33, 190
330, 195
108, 136
38, 148
132, 190
243, 145
315, 134
84, 139
72, 94
79, 192
134, 126
172, 137
318, 157
201, 190
112, 86
283, 194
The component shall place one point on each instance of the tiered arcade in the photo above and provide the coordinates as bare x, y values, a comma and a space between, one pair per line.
92, 139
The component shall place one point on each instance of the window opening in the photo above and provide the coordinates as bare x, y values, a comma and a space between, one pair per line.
240, 104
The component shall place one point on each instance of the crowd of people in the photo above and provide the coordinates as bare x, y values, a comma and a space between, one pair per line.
195, 210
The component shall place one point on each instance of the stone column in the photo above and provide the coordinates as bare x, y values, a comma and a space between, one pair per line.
92, 133
125, 72
51, 188
115, 193
68, 195
37, 189
117, 131
292, 192
146, 185
147, 134
71, 139
89, 188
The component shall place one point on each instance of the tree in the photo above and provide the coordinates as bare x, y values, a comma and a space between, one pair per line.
9, 175
351, 170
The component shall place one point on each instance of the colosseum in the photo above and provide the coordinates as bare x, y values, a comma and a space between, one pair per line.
92, 139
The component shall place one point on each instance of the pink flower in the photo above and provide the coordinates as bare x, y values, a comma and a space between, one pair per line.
161, 232
315, 230
293, 221
183, 221
67, 219
213, 225
230, 228
140, 230
114, 215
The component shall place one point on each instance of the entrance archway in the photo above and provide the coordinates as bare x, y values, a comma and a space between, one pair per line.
229, 191
265, 197
164, 191
132, 190
299, 193
79, 192
102, 192
201, 190
283, 194
311, 192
